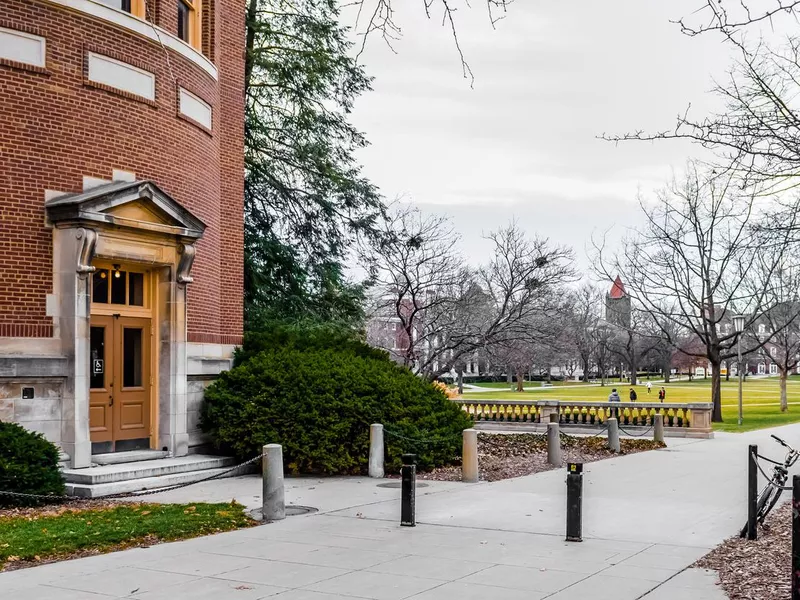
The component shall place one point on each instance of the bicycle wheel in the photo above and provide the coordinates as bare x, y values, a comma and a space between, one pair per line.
766, 494
768, 507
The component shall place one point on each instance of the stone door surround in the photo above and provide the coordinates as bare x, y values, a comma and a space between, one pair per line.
132, 222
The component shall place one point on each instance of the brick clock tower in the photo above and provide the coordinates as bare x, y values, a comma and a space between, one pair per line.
618, 305
121, 179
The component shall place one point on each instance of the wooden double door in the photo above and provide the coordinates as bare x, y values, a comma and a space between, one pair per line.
119, 395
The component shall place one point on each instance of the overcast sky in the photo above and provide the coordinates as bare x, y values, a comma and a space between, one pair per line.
523, 142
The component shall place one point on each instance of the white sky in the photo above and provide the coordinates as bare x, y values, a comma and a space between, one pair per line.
523, 143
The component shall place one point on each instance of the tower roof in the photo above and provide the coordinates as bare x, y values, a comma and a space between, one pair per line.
618, 289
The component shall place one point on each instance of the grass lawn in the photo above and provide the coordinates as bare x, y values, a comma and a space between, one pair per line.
761, 398
53, 533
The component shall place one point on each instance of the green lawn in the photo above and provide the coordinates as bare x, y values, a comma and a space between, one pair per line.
502, 385
59, 533
761, 398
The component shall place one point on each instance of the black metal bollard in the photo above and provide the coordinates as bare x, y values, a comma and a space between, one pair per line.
752, 491
796, 537
408, 477
574, 502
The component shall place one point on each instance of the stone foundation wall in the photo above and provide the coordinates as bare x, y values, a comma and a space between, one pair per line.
206, 362
42, 413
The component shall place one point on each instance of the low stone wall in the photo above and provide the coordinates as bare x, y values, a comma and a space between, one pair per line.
680, 420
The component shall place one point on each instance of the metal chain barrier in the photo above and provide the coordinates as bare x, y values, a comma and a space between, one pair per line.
645, 432
429, 442
584, 437
67, 499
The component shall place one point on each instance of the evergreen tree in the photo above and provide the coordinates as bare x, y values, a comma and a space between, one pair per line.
305, 196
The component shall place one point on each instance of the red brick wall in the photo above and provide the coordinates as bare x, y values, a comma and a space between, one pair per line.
55, 129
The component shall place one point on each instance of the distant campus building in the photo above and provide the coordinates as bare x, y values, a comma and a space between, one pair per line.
121, 227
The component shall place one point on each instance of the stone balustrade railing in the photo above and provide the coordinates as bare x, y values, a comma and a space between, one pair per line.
680, 420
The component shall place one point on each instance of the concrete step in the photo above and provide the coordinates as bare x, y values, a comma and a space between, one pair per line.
147, 469
99, 490
116, 458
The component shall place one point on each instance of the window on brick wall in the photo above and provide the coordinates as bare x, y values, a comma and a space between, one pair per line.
134, 7
190, 25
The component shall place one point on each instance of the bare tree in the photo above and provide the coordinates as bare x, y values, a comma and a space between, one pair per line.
377, 17
583, 316
784, 319
732, 16
448, 310
700, 257
632, 344
602, 335
419, 279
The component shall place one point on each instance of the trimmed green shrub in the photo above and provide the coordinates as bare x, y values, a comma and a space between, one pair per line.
28, 465
320, 337
319, 403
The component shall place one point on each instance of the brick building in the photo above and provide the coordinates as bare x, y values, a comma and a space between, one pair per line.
121, 199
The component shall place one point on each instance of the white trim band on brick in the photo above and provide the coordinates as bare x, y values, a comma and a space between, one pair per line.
195, 108
122, 76
22, 47
143, 28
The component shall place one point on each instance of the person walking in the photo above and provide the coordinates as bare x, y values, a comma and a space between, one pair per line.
649, 387
662, 394
614, 397
633, 395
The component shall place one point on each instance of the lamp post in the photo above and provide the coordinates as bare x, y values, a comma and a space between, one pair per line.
738, 326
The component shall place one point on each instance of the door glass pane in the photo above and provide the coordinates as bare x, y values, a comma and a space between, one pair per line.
118, 279
97, 350
136, 289
131, 357
100, 286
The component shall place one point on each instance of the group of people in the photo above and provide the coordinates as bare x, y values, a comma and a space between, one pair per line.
614, 395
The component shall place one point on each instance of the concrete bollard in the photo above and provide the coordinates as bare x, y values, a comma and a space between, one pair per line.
376, 450
613, 434
273, 506
469, 456
658, 428
553, 445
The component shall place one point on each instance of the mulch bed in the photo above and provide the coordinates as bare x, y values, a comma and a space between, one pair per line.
53, 510
504, 456
760, 569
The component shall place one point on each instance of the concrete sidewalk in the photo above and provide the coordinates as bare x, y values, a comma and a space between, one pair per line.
647, 517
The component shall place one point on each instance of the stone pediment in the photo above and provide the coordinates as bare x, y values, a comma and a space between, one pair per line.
131, 204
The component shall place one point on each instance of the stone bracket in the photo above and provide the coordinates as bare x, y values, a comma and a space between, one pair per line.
187, 252
86, 255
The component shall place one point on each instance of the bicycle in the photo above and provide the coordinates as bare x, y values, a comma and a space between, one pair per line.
775, 486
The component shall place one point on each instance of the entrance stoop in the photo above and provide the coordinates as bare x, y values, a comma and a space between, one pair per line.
149, 473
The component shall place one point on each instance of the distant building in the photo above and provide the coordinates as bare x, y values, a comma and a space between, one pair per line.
618, 305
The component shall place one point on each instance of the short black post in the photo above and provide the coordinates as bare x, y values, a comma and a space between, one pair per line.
408, 476
574, 502
796, 537
752, 491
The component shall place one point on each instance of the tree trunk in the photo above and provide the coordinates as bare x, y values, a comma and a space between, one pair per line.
508, 376
716, 391
585, 377
519, 381
784, 402
634, 374
460, 380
